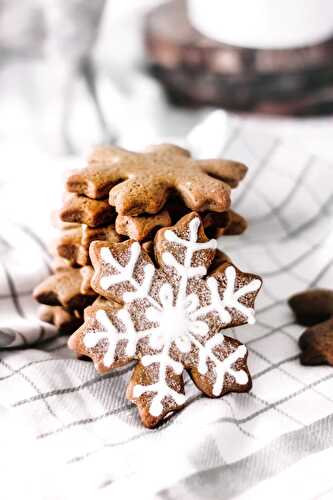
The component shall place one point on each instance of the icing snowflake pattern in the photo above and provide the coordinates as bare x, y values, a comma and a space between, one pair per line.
171, 317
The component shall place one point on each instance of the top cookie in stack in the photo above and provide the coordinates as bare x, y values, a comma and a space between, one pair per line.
123, 194
147, 189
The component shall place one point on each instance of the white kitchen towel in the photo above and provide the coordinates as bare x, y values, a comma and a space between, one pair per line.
70, 433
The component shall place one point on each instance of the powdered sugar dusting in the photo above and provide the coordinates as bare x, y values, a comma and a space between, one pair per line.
167, 316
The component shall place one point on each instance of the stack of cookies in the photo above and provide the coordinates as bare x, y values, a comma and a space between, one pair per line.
123, 195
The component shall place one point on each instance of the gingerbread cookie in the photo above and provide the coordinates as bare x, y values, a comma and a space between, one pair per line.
219, 259
86, 277
312, 306
215, 223
316, 344
60, 224
82, 210
65, 321
60, 264
73, 244
68, 246
138, 183
142, 227
168, 318
98, 303
236, 225
64, 289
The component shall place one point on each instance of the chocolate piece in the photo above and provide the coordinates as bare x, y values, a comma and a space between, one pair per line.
312, 306
317, 344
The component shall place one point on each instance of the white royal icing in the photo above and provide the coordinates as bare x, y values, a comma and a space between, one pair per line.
113, 336
230, 298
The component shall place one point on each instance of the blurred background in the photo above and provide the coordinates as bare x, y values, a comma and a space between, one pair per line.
75, 73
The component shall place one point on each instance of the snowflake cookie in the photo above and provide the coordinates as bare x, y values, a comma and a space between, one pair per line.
169, 317
141, 183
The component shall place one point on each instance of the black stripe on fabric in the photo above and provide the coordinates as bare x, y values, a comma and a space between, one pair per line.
296, 232
284, 224
261, 166
321, 273
273, 366
298, 182
28, 231
290, 375
34, 386
14, 295
223, 419
286, 450
231, 140
290, 265
7, 296
57, 347
69, 390
88, 72
5, 243
18, 370
271, 332
264, 309
46, 256
86, 421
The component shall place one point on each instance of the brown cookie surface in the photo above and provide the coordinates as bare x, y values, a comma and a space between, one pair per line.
316, 344
142, 227
83, 210
68, 246
60, 264
236, 224
105, 233
65, 321
138, 183
86, 276
73, 244
312, 306
64, 289
169, 317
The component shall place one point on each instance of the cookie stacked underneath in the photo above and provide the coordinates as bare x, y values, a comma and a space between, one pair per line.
124, 195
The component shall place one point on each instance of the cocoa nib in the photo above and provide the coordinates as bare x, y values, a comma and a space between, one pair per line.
312, 306
316, 344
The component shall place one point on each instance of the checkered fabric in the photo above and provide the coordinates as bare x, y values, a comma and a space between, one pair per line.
80, 423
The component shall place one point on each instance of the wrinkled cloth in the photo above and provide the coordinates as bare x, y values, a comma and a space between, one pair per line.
72, 434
